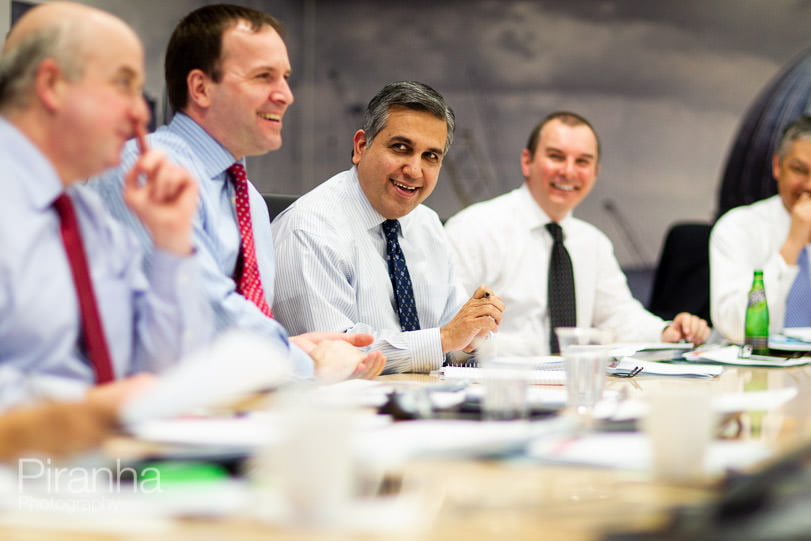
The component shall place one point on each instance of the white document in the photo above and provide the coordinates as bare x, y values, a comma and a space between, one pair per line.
653, 368
730, 355
627, 349
401, 441
633, 452
723, 403
798, 333
477, 375
237, 364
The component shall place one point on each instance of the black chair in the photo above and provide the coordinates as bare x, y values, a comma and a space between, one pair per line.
682, 279
277, 202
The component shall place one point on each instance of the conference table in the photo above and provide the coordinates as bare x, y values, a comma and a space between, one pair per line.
509, 497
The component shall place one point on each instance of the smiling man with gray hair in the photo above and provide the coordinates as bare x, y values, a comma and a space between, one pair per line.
360, 253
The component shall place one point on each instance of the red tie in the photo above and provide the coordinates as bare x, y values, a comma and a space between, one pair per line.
247, 278
92, 331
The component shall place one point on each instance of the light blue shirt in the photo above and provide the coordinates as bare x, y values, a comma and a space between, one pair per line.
150, 321
333, 275
216, 231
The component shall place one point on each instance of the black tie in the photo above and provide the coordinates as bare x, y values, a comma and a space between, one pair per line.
560, 292
400, 279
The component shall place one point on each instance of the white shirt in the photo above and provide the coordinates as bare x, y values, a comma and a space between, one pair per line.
504, 244
743, 240
331, 273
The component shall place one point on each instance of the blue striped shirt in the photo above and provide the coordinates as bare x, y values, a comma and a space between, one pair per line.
216, 231
150, 320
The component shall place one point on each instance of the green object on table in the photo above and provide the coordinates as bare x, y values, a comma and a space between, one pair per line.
757, 317
181, 472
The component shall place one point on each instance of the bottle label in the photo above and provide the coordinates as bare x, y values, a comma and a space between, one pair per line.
757, 342
757, 296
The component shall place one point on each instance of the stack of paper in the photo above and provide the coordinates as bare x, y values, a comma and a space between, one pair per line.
477, 375
731, 355
651, 351
633, 452
653, 368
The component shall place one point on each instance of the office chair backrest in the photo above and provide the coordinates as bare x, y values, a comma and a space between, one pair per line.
682, 279
277, 202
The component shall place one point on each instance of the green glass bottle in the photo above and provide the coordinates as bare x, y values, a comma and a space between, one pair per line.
757, 317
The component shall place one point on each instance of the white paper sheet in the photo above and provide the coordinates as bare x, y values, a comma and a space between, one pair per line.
237, 364
474, 374
722, 403
654, 368
729, 355
246, 432
627, 349
632, 451
400, 441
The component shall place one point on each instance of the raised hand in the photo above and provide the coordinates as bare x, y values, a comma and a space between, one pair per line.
479, 316
163, 196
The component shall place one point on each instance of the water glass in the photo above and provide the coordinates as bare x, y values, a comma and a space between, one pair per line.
586, 353
505, 381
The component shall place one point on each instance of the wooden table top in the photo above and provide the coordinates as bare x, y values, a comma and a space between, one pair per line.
468, 499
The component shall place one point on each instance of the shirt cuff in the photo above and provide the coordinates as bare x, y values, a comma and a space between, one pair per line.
303, 367
426, 349
169, 273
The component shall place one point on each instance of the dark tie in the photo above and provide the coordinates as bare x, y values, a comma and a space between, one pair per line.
400, 279
92, 331
560, 292
798, 302
247, 278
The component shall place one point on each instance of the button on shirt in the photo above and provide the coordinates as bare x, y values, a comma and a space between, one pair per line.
504, 243
150, 320
332, 273
216, 232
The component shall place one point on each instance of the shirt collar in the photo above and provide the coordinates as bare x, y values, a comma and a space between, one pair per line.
368, 217
531, 213
214, 157
43, 185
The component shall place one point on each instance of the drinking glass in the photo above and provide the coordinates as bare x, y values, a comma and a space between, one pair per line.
586, 352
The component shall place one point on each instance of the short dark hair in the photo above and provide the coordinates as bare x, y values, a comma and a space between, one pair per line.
196, 43
566, 117
412, 95
800, 128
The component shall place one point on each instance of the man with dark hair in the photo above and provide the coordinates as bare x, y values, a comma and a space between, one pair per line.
771, 235
76, 307
227, 69
551, 268
360, 253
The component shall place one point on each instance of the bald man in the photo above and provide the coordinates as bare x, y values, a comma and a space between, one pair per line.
76, 308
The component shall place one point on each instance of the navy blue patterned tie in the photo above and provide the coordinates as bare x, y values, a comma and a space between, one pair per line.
400, 279
560, 293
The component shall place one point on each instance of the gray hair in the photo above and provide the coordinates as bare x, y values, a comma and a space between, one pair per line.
409, 94
19, 65
798, 129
